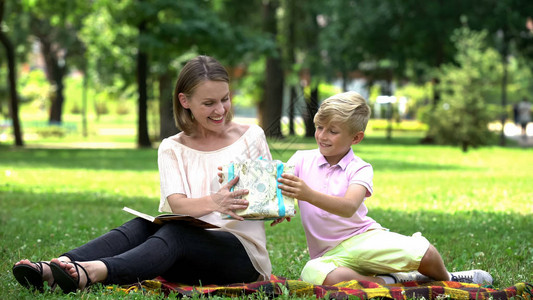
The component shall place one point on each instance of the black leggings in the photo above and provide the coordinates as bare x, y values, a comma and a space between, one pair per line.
176, 251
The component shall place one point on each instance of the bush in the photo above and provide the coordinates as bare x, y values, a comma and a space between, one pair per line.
51, 131
405, 125
75, 109
101, 108
122, 108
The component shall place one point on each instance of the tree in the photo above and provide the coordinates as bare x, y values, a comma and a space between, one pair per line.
312, 62
12, 79
187, 28
55, 24
289, 61
110, 52
340, 38
271, 103
507, 29
174, 32
462, 116
143, 140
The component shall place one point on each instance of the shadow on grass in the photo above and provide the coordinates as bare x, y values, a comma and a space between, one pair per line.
146, 159
283, 149
403, 166
61, 220
400, 141
299, 142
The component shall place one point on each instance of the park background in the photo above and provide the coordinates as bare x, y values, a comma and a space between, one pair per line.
87, 98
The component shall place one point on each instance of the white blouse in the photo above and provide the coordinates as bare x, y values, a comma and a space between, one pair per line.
193, 173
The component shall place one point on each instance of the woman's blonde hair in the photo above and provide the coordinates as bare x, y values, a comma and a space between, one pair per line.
197, 70
348, 109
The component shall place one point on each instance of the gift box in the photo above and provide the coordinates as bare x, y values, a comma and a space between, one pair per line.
260, 178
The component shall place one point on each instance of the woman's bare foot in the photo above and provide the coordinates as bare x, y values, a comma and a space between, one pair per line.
42, 267
83, 273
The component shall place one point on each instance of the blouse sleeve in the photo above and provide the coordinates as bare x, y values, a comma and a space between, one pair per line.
169, 175
262, 145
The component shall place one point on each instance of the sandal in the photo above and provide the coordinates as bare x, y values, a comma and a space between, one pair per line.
65, 281
31, 277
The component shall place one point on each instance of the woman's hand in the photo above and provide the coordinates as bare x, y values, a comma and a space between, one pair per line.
227, 202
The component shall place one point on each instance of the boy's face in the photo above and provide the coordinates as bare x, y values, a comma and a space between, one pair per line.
334, 141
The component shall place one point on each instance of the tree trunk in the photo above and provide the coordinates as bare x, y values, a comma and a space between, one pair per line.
84, 128
55, 74
56, 110
291, 36
272, 98
270, 106
344, 80
390, 110
428, 139
167, 126
311, 110
12, 78
143, 140
464, 146
292, 105
505, 50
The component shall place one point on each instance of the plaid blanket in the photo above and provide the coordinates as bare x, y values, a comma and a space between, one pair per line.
278, 286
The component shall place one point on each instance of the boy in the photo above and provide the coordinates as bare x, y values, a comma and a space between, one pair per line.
331, 184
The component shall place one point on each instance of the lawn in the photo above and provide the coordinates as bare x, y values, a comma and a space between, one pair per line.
475, 207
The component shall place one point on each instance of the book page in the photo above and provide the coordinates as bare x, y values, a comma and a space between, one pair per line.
163, 218
138, 214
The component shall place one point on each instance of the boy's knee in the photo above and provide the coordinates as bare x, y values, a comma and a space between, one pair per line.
316, 270
431, 255
340, 274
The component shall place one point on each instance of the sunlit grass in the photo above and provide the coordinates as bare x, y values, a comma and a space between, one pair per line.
475, 207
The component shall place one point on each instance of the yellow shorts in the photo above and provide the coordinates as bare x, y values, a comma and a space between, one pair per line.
374, 252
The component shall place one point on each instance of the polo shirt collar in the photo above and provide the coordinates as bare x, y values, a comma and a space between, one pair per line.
343, 163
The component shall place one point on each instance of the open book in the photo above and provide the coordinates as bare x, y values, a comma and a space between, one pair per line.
160, 219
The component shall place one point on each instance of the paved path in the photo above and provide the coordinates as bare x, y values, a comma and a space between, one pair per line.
514, 132
523, 142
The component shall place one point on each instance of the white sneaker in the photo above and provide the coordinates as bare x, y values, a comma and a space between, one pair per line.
402, 277
472, 276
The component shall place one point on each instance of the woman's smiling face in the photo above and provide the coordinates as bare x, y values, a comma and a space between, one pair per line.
210, 104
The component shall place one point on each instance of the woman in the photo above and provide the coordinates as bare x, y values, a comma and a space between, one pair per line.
139, 250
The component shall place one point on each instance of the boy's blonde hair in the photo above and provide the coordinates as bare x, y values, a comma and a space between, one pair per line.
348, 109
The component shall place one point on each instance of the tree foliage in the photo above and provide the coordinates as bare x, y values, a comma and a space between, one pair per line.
306, 43
12, 79
55, 25
173, 33
462, 117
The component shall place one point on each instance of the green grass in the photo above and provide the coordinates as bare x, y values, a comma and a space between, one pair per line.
475, 207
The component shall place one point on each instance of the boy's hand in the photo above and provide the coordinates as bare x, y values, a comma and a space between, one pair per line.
277, 221
294, 187
220, 175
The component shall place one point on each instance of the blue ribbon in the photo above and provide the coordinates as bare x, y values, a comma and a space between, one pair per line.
231, 175
281, 204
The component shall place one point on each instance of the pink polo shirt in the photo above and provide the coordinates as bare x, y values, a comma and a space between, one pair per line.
324, 230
